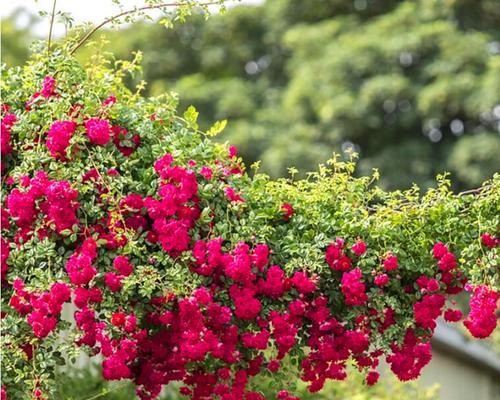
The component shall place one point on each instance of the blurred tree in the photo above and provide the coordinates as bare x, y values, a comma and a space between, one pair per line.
413, 86
16, 36
402, 88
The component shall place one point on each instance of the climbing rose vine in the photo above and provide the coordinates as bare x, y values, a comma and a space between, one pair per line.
172, 263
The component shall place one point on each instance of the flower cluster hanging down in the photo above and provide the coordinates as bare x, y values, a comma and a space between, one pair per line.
178, 266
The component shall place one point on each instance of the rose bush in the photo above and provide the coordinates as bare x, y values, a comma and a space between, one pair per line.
181, 266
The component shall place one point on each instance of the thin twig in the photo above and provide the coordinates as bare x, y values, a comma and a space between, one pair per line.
52, 16
133, 11
105, 392
473, 191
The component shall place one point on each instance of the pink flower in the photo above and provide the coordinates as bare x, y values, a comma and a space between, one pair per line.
109, 101
439, 250
80, 269
123, 266
49, 84
224, 373
41, 324
284, 395
98, 131
202, 296
232, 195
452, 315
273, 366
391, 263
260, 256
297, 307
206, 172
58, 138
113, 281
287, 211
132, 202
408, 359
118, 319
344, 263
336, 259
381, 280
489, 241
257, 341
130, 323
44, 308
432, 285
447, 262
274, 285
233, 151
353, 289
57, 200
372, 378
115, 367
359, 248
482, 319
302, 283
428, 310
3, 393
333, 253
357, 342
246, 307
163, 163
5, 132
240, 268
61, 205
85, 296
112, 172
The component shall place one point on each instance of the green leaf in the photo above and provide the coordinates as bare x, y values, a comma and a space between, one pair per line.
191, 117
217, 128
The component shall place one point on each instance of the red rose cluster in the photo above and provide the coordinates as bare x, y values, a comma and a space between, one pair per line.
7, 121
42, 309
58, 138
248, 314
482, 319
56, 200
177, 210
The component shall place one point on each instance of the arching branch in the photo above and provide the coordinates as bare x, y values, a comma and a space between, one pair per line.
134, 11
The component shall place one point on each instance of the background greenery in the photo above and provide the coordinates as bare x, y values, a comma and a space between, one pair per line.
87, 384
413, 86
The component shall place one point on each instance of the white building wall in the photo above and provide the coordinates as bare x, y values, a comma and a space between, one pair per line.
459, 380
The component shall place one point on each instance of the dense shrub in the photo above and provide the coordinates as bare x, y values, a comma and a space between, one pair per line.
182, 267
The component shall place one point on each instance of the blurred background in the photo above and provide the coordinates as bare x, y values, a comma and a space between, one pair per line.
412, 86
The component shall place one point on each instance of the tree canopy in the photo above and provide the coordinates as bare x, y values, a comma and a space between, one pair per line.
412, 86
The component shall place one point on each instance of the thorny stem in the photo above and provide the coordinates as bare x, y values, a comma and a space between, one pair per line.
133, 11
